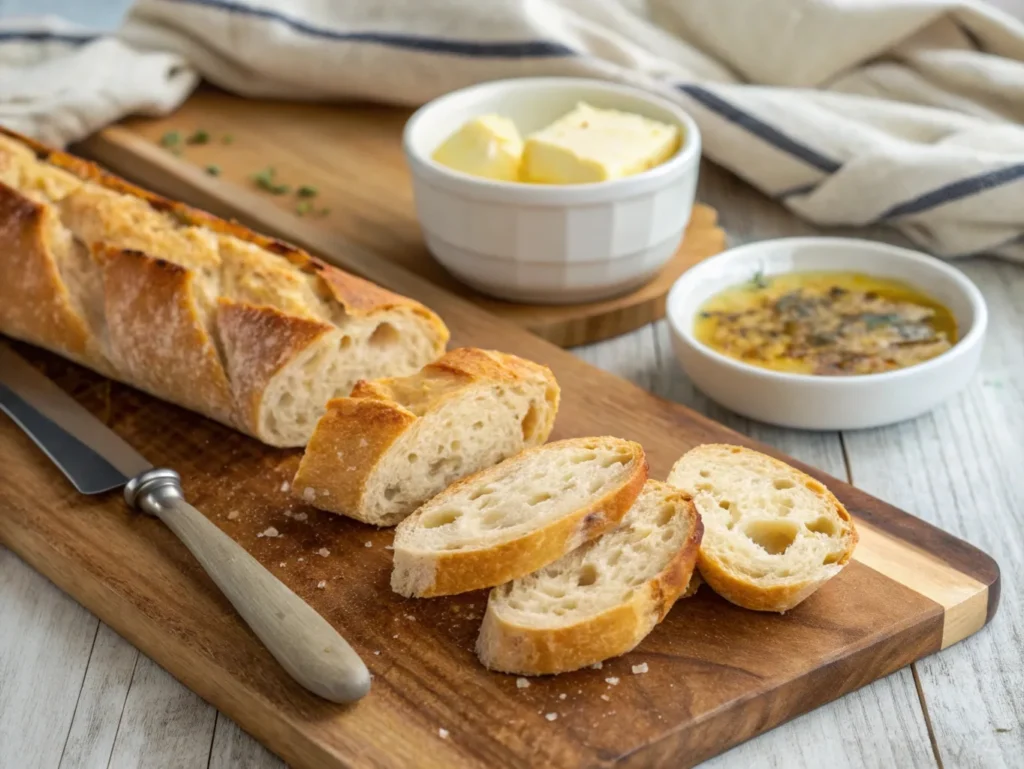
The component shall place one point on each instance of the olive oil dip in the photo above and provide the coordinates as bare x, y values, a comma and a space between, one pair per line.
826, 323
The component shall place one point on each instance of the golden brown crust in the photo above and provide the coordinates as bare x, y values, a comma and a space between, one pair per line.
53, 320
158, 337
346, 446
355, 295
774, 598
693, 585
34, 302
525, 650
356, 432
258, 342
460, 571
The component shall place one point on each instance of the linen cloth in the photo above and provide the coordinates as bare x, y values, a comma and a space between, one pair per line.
851, 112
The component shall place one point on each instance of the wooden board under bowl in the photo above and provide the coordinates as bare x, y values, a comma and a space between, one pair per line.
353, 157
717, 674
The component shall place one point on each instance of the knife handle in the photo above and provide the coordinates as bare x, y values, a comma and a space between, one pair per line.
305, 644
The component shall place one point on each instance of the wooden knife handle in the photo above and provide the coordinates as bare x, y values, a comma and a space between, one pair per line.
305, 644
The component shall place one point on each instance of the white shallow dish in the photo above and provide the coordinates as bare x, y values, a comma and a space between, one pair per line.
823, 402
550, 243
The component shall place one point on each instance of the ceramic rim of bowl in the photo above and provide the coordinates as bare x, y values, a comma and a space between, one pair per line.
690, 145
970, 292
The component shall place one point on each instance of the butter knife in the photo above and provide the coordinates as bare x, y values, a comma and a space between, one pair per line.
96, 460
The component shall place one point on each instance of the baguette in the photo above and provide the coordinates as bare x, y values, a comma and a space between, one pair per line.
202, 312
393, 444
516, 517
600, 600
773, 535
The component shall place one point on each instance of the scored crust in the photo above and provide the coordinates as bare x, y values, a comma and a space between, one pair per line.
514, 647
69, 225
426, 573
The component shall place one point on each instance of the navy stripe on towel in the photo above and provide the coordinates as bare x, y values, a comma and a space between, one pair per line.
45, 37
759, 128
957, 190
494, 50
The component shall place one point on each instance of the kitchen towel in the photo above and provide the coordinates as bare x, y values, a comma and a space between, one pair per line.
901, 112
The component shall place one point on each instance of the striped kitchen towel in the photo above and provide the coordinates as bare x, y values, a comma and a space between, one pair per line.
902, 112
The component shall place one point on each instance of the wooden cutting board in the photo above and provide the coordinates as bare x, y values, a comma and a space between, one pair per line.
353, 157
717, 674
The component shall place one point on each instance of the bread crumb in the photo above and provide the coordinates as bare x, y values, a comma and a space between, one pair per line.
301, 559
606, 698
232, 515
352, 468
612, 680
300, 516
641, 668
282, 564
369, 544
325, 492
597, 665
321, 584
389, 547
442, 733
270, 531
409, 616
341, 455
363, 443
522, 683
323, 551
561, 696
395, 635
285, 486
551, 716
377, 653
309, 494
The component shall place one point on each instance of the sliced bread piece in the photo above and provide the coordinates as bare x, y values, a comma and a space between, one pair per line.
600, 600
773, 535
694, 586
517, 517
394, 443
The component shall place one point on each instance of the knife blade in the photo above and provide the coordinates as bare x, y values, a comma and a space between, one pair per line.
95, 459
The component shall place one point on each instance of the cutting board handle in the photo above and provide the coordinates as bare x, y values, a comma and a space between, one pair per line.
305, 644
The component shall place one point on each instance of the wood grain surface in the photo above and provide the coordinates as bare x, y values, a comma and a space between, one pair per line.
354, 161
718, 674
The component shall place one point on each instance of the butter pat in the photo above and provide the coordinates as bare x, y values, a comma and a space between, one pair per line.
487, 146
594, 145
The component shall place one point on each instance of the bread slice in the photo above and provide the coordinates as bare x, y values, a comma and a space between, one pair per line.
693, 586
773, 535
516, 517
202, 312
600, 600
393, 444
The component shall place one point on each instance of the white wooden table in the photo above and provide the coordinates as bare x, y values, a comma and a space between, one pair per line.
74, 694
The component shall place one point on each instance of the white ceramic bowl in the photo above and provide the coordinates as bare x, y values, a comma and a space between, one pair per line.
822, 402
549, 243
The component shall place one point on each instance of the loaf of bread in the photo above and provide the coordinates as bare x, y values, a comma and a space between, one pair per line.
772, 534
394, 443
202, 312
600, 600
516, 517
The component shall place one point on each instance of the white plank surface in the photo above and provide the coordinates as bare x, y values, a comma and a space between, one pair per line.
163, 724
100, 702
45, 642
